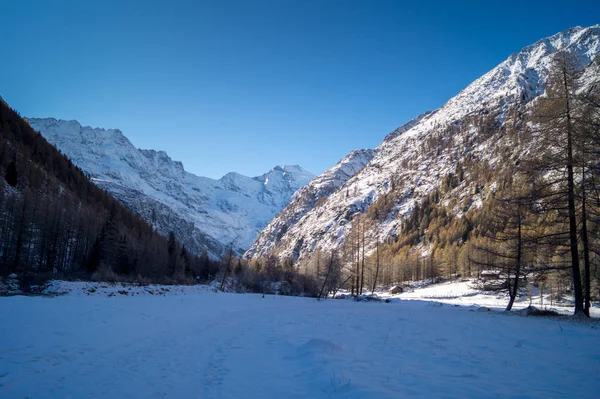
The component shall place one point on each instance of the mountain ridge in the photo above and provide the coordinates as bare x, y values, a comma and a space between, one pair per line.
206, 214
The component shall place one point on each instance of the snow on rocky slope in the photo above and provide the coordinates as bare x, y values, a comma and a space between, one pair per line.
307, 198
204, 213
405, 165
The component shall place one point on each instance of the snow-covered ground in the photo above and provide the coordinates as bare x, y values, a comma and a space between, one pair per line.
216, 345
467, 293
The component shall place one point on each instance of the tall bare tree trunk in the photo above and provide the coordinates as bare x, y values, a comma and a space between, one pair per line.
318, 264
227, 267
356, 278
571, 203
515, 286
586, 250
329, 267
376, 267
362, 273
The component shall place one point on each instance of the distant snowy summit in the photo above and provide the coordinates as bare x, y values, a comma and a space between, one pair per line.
204, 213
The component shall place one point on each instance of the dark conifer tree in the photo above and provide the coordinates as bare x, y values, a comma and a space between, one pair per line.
11, 174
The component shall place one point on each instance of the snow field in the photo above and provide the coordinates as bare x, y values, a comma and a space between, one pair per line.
216, 345
466, 293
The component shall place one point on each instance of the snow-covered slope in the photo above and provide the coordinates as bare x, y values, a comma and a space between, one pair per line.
412, 161
307, 198
203, 213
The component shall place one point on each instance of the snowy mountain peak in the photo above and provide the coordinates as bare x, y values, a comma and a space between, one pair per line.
204, 213
288, 177
73, 130
522, 75
295, 169
290, 172
575, 35
163, 163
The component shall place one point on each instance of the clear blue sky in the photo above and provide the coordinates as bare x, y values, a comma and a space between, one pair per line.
245, 85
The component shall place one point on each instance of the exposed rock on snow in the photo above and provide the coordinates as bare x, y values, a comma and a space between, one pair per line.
10, 285
51, 288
